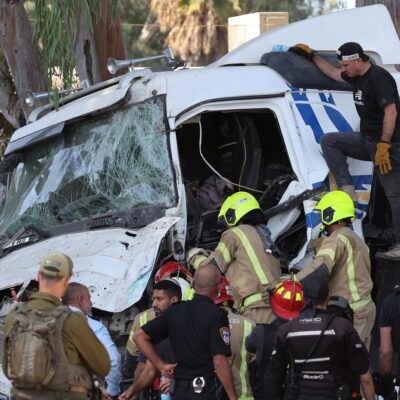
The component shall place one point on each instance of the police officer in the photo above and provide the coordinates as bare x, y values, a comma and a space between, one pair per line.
245, 256
200, 339
286, 302
77, 352
389, 330
240, 328
342, 260
320, 350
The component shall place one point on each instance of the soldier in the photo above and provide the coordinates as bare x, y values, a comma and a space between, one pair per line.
241, 328
49, 351
245, 255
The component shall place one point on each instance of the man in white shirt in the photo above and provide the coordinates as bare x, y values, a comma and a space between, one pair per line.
77, 297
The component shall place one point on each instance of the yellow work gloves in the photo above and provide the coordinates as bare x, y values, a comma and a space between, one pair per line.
303, 50
382, 157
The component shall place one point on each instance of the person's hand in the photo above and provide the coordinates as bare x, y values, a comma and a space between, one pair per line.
168, 370
165, 384
127, 394
382, 157
104, 394
195, 251
303, 50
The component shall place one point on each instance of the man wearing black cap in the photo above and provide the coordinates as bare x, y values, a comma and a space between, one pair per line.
321, 351
377, 102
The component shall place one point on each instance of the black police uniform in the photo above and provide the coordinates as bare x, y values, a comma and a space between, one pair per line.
198, 330
323, 374
260, 342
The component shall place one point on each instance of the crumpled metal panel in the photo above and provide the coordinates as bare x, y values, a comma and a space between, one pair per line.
114, 265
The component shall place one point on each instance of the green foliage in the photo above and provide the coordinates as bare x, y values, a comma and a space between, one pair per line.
56, 28
134, 14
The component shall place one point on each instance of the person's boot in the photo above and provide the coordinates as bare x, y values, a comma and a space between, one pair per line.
393, 254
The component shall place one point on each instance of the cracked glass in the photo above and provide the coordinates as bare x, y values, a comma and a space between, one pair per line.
97, 165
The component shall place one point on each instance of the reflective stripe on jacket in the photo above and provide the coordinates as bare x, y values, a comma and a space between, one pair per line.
241, 256
343, 258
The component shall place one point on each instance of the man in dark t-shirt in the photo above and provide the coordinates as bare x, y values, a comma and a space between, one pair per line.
376, 99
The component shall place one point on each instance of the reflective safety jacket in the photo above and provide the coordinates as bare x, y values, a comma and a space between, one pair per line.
343, 259
138, 322
241, 256
240, 328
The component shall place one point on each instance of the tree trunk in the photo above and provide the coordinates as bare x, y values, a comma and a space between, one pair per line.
92, 49
391, 5
23, 59
109, 39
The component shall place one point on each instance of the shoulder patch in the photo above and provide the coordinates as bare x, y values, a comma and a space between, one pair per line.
225, 335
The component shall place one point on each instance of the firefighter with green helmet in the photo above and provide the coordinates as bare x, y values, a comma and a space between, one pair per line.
342, 260
245, 255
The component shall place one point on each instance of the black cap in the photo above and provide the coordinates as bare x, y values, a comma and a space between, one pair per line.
351, 51
315, 289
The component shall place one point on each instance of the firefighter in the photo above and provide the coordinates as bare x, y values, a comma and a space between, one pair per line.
321, 351
286, 302
246, 255
342, 260
168, 270
240, 328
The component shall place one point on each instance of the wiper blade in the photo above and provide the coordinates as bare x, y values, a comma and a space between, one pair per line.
25, 236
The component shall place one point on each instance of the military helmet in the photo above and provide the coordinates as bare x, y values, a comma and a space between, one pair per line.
236, 206
287, 299
335, 206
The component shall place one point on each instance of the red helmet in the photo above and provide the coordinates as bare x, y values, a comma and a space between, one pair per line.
287, 299
171, 269
225, 292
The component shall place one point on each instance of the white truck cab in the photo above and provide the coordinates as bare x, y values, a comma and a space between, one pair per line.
111, 176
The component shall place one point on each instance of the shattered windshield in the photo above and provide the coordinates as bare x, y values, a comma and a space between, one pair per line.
96, 165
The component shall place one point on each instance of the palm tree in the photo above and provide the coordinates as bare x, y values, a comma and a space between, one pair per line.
197, 28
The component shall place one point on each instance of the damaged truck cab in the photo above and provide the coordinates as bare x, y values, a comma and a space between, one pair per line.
113, 176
